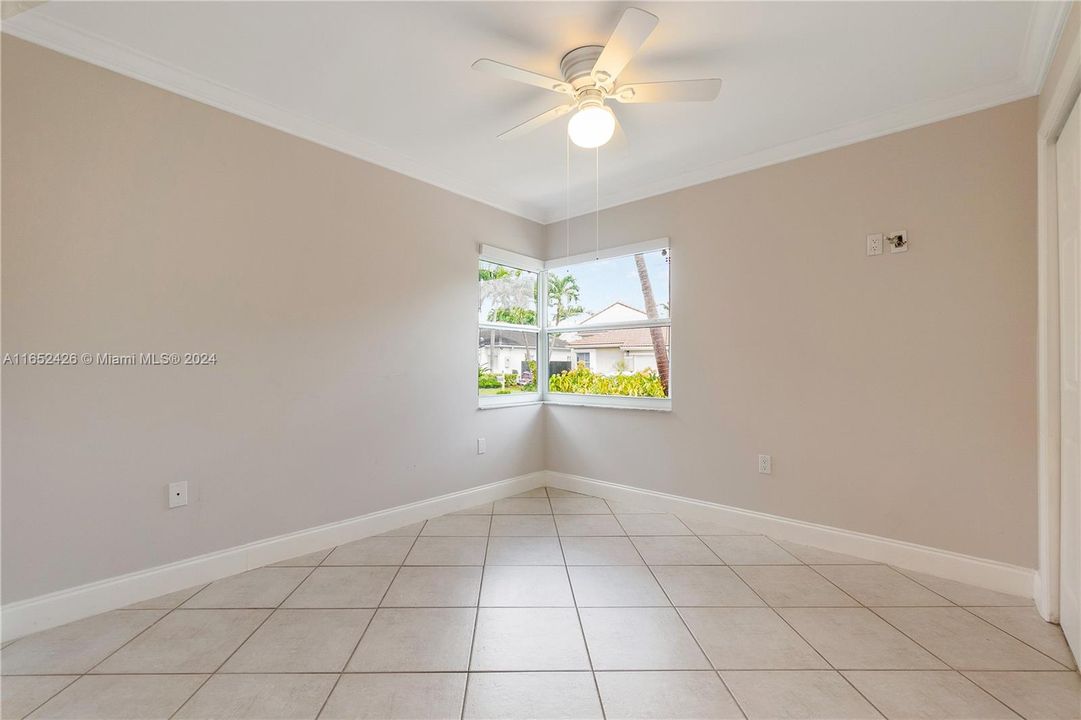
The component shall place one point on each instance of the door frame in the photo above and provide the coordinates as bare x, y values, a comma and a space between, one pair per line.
1061, 98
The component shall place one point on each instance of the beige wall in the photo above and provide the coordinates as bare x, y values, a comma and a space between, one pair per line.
136, 220
895, 393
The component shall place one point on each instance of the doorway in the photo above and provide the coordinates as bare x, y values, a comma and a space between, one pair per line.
1068, 196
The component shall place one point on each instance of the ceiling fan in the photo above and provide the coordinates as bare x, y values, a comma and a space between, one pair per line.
590, 75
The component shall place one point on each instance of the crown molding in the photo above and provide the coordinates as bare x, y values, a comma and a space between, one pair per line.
55, 35
904, 118
1045, 26
1046, 23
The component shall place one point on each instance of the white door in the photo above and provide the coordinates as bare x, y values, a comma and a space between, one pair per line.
1068, 160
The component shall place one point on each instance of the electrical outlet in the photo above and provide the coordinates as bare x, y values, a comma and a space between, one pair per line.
898, 241
178, 494
874, 244
482, 446
765, 464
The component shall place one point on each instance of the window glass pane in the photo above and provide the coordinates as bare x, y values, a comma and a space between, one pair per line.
633, 287
507, 295
627, 361
506, 362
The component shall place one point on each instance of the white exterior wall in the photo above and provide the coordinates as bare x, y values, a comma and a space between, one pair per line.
504, 359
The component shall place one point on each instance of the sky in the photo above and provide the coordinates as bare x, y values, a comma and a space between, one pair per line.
607, 281
604, 282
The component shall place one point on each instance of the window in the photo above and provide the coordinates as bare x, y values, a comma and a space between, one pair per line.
609, 327
582, 330
507, 347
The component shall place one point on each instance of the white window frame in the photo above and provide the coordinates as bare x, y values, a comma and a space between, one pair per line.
518, 261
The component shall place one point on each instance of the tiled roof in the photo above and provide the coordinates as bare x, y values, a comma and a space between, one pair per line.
621, 338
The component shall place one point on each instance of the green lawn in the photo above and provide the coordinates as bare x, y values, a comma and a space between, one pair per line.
495, 391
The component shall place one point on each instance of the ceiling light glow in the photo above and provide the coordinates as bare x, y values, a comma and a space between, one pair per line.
592, 126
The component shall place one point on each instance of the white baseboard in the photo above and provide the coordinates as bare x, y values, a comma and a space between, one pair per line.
64, 606
46, 611
980, 572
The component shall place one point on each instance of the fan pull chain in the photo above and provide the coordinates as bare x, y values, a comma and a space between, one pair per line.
567, 193
597, 202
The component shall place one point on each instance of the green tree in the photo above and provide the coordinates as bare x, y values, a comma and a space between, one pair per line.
515, 315
656, 334
563, 292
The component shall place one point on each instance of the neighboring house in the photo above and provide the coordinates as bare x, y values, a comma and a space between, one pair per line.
616, 312
610, 352
602, 351
507, 351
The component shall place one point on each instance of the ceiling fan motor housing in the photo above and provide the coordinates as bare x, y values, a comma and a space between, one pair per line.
577, 68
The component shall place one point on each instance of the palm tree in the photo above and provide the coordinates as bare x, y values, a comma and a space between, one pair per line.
656, 334
563, 291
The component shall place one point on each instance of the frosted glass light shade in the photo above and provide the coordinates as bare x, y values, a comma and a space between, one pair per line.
592, 126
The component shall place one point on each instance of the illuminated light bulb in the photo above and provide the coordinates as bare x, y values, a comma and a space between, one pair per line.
592, 126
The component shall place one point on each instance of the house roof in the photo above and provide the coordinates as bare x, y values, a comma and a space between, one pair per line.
624, 338
587, 319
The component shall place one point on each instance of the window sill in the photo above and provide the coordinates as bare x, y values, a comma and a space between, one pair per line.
491, 402
597, 401
610, 402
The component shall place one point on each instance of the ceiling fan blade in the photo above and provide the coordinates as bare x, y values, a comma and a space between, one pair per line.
618, 142
534, 123
529, 77
674, 91
632, 30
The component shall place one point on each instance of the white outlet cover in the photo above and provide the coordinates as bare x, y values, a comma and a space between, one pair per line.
765, 464
874, 244
178, 494
482, 446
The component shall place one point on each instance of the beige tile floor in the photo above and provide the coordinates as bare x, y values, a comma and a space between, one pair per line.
555, 605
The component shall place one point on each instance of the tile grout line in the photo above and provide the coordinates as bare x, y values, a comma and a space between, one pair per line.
86, 672
988, 622
785, 621
838, 672
919, 644
682, 620
242, 642
578, 614
505, 672
42, 703
476, 616
371, 620
800, 636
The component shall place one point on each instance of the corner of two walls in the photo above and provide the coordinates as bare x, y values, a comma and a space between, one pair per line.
338, 297
894, 392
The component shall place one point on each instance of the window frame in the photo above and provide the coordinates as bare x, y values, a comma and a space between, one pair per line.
515, 261
543, 395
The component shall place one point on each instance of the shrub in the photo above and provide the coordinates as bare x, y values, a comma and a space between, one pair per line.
531, 386
583, 381
504, 392
487, 380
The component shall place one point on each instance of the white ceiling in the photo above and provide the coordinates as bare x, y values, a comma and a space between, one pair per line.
391, 82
